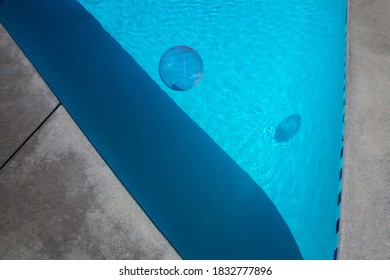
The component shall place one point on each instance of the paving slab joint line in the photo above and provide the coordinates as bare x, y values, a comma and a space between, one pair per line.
31, 134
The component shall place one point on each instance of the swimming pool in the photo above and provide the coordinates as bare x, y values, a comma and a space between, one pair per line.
202, 179
264, 60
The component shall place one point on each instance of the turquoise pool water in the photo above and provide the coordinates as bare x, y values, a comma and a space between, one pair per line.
263, 61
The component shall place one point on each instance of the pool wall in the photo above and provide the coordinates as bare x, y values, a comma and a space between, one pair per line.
200, 199
339, 196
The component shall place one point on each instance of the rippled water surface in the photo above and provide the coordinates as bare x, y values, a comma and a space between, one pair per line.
264, 60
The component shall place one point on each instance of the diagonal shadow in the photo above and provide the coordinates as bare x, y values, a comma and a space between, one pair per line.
200, 199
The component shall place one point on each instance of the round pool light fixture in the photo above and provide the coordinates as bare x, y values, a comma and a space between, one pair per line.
181, 68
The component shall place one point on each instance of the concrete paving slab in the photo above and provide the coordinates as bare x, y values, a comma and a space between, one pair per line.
365, 212
59, 200
25, 99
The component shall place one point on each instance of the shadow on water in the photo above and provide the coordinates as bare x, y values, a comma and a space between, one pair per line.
287, 128
205, 204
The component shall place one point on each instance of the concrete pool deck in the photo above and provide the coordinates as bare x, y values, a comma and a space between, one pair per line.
58, 198
45, 156
365, 207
